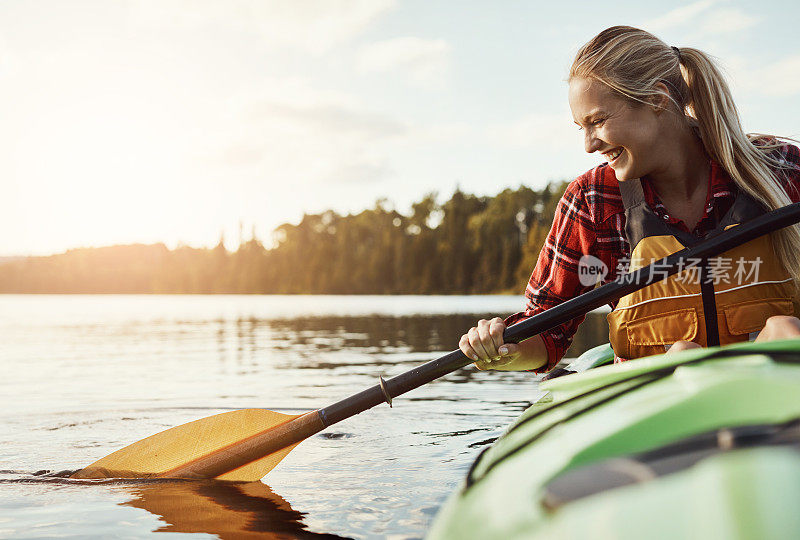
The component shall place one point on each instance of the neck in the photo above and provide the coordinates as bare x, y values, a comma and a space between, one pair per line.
686, 173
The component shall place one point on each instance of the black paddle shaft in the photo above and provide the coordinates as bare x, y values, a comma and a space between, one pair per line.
575, 307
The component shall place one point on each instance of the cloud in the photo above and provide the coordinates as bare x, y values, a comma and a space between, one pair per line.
678, 16
312, 25
781, 78
707, 16
330, 119
443, 133
539, 130
359, 170
290, 132
723, 21
549, 143
421, 61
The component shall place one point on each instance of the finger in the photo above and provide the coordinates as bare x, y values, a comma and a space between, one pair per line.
496, 328
484, 365
486, 339
477, 345
509, 351
465, 347
501, 362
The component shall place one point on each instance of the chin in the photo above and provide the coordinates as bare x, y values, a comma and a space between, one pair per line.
622, 174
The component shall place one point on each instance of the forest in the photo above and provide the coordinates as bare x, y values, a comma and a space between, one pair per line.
466, 245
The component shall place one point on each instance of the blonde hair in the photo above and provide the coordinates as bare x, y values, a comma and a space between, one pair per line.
633, 62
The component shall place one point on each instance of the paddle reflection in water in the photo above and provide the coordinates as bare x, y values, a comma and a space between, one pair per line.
228, 510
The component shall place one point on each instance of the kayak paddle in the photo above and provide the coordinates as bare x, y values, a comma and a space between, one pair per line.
245, 445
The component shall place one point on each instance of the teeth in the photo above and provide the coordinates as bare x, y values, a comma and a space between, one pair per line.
613, 155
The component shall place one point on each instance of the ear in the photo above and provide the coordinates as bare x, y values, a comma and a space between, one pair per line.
661, 100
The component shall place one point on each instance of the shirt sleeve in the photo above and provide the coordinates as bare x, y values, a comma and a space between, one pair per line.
555, 278
790, 162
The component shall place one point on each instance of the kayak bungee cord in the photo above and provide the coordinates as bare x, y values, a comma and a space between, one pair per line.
616, 472
656, 375
651, 377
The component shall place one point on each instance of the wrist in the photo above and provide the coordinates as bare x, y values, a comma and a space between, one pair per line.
523, 363
532, 354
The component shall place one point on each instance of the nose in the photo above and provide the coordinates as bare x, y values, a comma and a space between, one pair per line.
590, 142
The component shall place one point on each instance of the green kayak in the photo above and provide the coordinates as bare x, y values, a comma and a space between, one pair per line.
701, 444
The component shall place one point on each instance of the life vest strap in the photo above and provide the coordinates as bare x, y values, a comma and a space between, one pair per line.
709, 305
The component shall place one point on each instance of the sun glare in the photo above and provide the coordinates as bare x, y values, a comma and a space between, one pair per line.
102, 170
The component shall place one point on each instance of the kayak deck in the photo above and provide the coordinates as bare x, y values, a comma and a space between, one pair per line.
603, 420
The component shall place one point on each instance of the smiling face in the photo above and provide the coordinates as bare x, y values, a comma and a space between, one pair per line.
626, 133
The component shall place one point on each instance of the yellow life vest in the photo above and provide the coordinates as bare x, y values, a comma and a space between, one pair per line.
715, 301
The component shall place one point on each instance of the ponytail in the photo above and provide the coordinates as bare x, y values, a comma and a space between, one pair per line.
749, 160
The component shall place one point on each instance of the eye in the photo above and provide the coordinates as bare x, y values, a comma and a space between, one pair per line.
594, 123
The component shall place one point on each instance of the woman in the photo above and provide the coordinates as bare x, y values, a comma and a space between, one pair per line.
678, 167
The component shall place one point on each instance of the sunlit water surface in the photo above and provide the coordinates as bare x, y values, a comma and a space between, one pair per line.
86, 375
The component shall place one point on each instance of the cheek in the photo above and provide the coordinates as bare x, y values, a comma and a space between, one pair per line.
641, 141
646, 131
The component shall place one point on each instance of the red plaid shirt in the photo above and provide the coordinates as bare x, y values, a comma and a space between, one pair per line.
590, 219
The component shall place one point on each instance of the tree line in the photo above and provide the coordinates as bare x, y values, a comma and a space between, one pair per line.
466, 245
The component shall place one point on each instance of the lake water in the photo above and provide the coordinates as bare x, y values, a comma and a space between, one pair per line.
86, 375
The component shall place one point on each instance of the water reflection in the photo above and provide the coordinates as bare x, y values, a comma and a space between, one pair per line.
374, 334
228, 510
129, 367
225, 509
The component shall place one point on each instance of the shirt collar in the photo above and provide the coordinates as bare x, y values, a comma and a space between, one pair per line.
721, 191
720, 186
720, 183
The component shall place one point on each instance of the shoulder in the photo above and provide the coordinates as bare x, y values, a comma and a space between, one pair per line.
784, 155
789, 155
599, 188
785, 161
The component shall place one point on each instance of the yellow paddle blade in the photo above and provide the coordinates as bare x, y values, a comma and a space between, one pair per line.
255, 470
184, 451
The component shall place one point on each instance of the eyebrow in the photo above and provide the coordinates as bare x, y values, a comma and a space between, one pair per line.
594, 113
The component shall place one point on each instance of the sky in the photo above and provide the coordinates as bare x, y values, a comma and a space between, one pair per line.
177, 121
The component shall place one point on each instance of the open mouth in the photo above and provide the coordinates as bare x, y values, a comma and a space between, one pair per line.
613, 155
